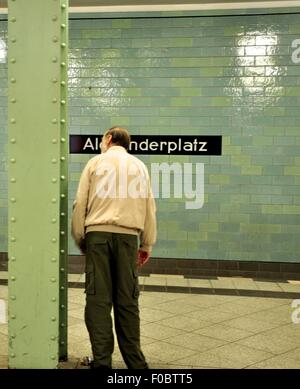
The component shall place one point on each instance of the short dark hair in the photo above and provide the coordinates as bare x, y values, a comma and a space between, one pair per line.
119, 136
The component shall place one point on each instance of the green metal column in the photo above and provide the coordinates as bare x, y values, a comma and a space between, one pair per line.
38, 151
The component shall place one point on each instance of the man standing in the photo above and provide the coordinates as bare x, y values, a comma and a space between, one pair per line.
114, 206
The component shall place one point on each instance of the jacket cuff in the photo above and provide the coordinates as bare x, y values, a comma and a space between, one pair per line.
144, 247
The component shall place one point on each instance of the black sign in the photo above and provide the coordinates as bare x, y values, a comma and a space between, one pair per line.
154, 144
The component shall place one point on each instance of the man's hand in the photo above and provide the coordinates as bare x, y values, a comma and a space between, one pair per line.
142, 257
82, 247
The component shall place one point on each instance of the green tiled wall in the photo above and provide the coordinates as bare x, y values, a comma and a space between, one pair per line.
227, 75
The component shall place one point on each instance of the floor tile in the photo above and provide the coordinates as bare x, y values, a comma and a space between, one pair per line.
79, 332
239, 308
178, 282
3, 361
3, 345
250, 324
159, 332
293, 354
184, 323
199, 283
272, 316
166, 352
272, 286
220, 331
268, 342
175, 307
79, 349
288, 287
79, 313
155, 281
223, 283
195, 341
3, 275
3, 329
74, 277
243, 354
278, 362
213, 315
71, 363
244, 283
152, 315
3, 292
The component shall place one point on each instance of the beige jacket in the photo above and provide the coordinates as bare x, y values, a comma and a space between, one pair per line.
114, 194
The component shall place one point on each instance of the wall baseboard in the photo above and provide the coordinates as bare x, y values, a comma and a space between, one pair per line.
200, 268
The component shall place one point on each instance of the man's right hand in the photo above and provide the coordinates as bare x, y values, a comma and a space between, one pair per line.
142, 257
82, 246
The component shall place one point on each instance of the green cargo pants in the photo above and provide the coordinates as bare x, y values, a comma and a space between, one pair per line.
111, 280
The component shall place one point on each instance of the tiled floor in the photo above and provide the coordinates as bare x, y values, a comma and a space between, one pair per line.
198, 330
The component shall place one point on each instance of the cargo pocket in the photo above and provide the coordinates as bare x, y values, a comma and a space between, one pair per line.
90, 279
136, 288
130, 241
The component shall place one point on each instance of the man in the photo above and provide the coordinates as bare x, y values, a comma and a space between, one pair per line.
114, 206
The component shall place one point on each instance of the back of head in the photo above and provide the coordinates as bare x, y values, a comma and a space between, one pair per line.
119, 136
